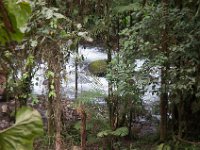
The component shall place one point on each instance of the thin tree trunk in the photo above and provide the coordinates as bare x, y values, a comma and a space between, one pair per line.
69, 8
130, 122
163, 114
57, 107
110, 98
83, 128
116, 105
131, 20
57, 110
50, 118
76, 73
180, 114
164, 70
50, 122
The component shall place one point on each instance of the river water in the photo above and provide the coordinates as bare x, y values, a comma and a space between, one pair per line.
86, 81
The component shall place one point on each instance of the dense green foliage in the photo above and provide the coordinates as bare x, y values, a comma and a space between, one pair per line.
178, 61
28, 124
162, 35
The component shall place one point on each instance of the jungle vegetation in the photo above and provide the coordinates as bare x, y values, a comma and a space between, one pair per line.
164, 34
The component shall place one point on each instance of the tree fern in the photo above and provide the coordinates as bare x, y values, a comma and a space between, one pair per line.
119, 132
89, 97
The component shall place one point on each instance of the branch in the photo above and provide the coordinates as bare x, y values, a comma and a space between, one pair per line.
186, 141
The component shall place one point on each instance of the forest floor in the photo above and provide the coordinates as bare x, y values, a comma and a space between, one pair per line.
144, 130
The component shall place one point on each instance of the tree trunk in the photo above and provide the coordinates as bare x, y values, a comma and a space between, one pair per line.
50, 122
76, 73
130, 123
54, 65
180, 114
110, 99
57, 110
164, 70
50, 110
163, 114
83, 128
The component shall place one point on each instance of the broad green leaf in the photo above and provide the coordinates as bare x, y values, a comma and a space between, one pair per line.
18, 15
20, 136
20, 10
